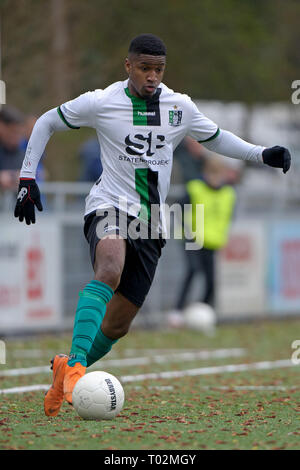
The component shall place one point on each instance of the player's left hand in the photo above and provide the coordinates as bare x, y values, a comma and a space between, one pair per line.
278, 157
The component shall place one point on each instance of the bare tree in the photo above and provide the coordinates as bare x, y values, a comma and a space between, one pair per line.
59, 66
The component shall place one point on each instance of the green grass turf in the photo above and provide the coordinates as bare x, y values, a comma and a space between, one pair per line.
186, 413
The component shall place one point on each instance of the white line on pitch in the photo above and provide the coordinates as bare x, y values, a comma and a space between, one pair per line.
38, 353
265, 365
137, 361
250, 388
45, 387
29, 388
155, 352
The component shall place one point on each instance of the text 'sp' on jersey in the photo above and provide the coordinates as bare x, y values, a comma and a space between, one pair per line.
137, 139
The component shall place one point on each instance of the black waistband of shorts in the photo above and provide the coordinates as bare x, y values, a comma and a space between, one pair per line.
94, 214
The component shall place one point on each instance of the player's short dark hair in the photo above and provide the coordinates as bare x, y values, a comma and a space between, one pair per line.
11, 115
147, 44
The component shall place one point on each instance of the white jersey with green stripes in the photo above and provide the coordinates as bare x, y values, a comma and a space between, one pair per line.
137, 139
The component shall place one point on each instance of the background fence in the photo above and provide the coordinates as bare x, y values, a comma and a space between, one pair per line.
44, 266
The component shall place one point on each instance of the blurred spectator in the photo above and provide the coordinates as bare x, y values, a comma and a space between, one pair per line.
28, 124
11, 154
190, 156
218, 199
90, 157
234, 170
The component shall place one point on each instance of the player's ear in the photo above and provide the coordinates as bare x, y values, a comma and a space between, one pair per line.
127, 65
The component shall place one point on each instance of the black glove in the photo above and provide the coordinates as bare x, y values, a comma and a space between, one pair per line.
278, 157
28, 196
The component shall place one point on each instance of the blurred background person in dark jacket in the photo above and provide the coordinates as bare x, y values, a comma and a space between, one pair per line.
90, 160
11, 153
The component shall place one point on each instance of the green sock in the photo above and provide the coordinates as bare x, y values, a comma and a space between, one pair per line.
89, 315
101, 346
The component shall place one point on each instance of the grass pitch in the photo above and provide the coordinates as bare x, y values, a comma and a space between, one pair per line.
256, 409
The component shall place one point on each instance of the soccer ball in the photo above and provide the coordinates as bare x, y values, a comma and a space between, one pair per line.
98, 395
200, 317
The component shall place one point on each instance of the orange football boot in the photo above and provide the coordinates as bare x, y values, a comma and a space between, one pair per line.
72, 375
55, 395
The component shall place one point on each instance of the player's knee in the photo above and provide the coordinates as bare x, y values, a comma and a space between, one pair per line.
109, 273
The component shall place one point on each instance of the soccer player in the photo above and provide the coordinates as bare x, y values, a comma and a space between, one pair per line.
139, 123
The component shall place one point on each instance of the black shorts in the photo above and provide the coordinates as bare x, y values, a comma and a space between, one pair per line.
141, 259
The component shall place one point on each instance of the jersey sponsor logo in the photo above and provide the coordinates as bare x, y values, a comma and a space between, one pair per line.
140, 160
22, 194
175, 117
144, 144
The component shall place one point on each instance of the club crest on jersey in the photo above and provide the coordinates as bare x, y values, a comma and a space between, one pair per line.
175, 117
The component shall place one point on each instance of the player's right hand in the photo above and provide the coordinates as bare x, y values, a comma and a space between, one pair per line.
28, 197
